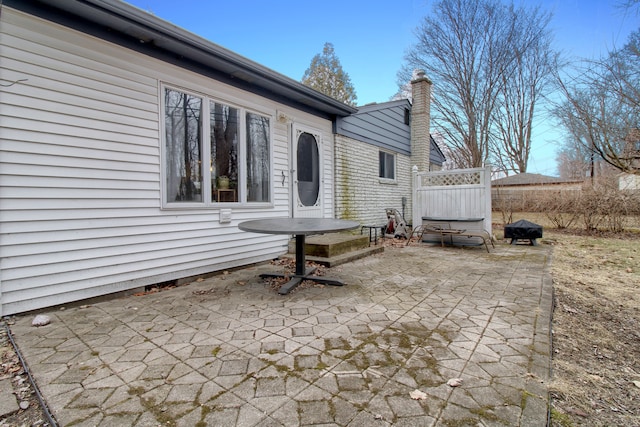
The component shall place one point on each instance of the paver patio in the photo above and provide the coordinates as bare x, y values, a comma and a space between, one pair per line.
230, 351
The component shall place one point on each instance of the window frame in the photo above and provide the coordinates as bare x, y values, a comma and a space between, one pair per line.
243, 108
393, 157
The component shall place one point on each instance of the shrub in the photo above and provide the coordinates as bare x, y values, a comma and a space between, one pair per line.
597, 206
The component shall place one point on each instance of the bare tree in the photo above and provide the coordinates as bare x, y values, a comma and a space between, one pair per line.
472, 50
601, 107
527, 80
224, 132
632, 6
573, 160
184, 145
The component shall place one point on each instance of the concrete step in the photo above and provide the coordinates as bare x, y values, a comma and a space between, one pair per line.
332, 244
336, 248
343, 258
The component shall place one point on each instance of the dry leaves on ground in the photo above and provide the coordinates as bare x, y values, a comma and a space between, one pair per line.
596, 325
30, 412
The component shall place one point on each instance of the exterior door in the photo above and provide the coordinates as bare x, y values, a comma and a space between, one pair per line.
307, 173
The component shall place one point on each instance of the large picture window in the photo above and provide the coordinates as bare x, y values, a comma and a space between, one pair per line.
387, 165
205, 144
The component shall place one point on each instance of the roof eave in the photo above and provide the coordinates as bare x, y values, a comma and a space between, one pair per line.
147, 28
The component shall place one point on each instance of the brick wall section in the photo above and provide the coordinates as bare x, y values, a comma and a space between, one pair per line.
420, 121
360, 194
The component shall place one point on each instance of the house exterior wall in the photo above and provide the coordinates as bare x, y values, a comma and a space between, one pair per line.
382, 125
80, 171
361, 195
436, 157
540, 187
522, 193
629, 182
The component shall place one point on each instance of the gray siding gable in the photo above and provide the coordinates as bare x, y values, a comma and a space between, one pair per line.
436, 156
382, 125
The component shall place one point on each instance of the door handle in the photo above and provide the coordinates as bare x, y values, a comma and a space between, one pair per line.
283, 178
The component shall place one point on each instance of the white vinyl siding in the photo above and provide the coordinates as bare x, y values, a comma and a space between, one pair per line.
327, 163
80, 172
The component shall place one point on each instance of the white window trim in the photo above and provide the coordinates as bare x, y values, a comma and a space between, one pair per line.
393, 180
206, 204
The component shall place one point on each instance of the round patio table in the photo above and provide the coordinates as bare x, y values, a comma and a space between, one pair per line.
300, 227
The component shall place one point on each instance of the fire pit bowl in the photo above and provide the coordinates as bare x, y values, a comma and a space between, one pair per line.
523, 230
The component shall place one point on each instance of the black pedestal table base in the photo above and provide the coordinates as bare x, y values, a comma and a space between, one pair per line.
302, 272
300, 227
296, 280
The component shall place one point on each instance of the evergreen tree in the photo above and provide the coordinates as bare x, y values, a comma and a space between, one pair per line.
325, 74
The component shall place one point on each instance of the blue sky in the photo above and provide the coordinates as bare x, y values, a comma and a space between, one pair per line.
371, 37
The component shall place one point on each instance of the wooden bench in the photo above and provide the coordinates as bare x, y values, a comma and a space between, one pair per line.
445, 230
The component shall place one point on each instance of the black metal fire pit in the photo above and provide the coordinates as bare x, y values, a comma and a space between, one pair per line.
523, 230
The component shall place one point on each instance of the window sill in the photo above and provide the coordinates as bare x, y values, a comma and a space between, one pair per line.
216, 206
387, 181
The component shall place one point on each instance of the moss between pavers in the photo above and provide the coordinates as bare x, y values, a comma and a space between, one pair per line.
560, 419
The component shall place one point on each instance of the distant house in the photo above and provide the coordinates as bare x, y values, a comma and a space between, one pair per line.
627, 181
534, 181
517, 190
376, 148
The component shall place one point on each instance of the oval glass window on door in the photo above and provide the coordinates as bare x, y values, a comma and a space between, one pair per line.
308, 170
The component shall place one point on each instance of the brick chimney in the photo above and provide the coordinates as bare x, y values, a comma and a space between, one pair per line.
420, 121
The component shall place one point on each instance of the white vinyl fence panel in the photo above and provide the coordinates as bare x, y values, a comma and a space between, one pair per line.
454, 194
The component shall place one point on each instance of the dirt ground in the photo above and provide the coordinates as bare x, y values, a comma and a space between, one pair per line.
596, 333
12, 369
